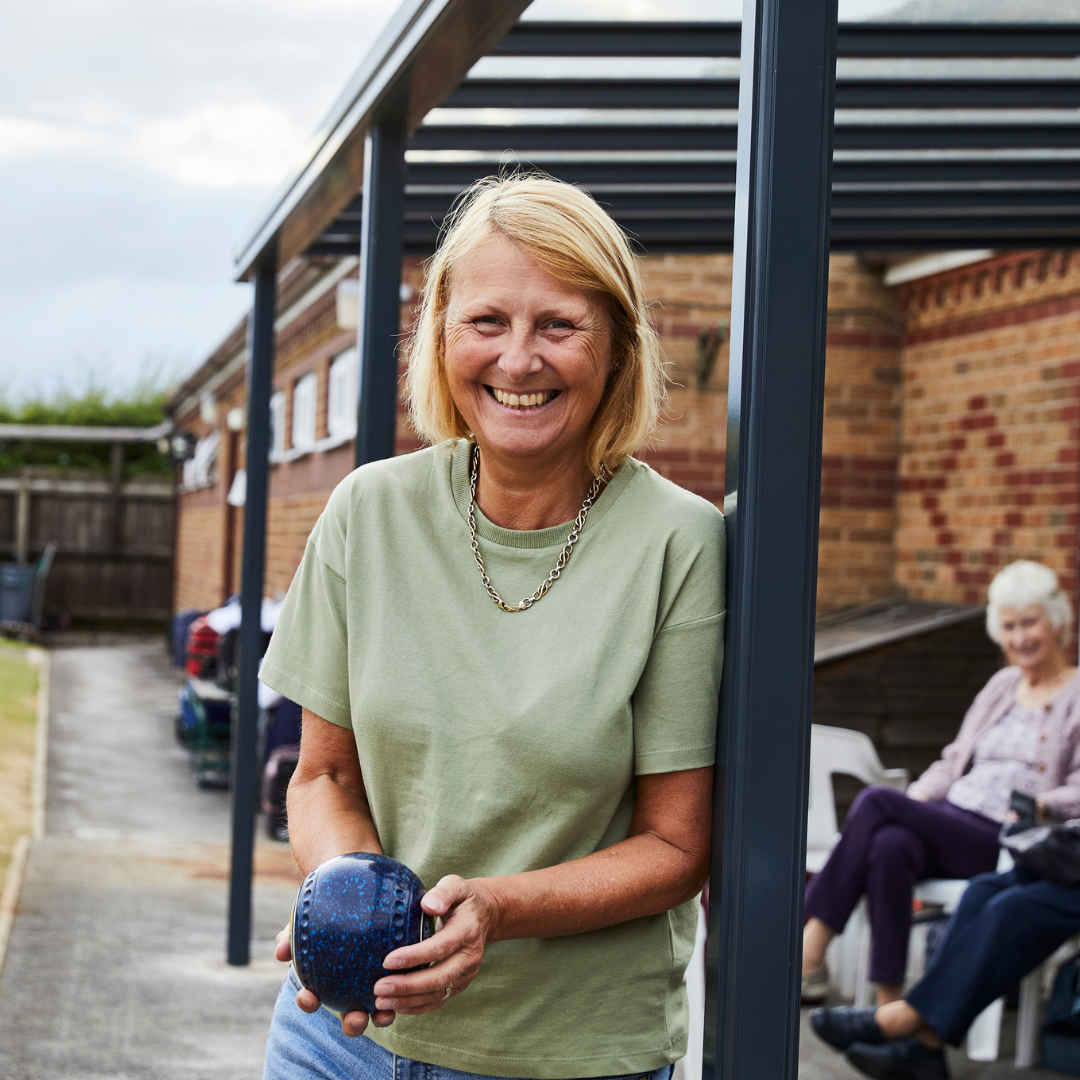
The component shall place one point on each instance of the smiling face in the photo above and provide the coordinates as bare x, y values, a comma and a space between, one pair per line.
1028, 638
527, 356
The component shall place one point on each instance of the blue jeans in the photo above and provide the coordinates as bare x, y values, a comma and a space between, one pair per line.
312, 1045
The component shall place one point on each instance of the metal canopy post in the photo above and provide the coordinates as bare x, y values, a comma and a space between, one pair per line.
381, 230
776, 390
260, 378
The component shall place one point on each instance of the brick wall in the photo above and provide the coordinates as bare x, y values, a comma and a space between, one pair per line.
862, 412
200, 539
289, 522
860, 439
988, 471
690, 293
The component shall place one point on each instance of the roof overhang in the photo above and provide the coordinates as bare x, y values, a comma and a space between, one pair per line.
425, 51
952, 156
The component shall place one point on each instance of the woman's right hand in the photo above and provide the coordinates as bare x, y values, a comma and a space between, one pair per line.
352, 1023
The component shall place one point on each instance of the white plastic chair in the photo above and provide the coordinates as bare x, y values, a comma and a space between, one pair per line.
838, 750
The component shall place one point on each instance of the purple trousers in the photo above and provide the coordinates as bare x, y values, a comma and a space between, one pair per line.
888, 843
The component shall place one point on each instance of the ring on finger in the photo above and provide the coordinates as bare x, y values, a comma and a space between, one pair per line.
448, 990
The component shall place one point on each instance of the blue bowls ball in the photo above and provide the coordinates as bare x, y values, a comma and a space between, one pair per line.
349, 914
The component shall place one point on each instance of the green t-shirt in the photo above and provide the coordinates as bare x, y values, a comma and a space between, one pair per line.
494, 743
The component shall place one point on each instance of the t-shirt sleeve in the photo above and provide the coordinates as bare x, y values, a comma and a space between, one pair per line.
676, 700
307, 659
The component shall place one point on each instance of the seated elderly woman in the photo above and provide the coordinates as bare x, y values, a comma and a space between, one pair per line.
1005, 925
544, 767
1022, 733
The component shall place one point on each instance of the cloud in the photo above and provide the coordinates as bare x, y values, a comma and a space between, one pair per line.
248, 144
22, 138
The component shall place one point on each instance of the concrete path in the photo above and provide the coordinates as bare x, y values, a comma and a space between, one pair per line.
115, 967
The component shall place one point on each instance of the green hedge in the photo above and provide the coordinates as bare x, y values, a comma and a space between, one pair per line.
92, 409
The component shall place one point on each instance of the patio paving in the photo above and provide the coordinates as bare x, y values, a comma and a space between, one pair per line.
817, 1061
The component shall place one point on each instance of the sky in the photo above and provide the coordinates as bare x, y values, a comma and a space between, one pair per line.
140, 140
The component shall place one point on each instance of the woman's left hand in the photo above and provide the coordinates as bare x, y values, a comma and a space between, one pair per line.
469, 913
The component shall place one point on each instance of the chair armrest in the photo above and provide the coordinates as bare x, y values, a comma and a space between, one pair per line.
896, 779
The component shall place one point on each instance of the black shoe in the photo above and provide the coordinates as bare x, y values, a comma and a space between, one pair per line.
899, 1059
843, 1026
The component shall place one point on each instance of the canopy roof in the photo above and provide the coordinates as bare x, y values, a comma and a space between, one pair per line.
946, 135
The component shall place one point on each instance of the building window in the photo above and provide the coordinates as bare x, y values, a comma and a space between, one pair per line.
200, 470
341, 398
277, 424
305, 395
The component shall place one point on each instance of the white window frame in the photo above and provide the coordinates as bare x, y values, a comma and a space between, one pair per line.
277, 425
304, 410
341, 404
200, 470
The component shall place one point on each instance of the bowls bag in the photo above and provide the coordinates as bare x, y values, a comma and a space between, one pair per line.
351, 912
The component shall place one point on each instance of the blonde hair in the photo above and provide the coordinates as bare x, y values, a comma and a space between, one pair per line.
564, 230
1021, 584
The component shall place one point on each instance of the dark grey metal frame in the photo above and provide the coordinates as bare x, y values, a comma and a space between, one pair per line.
893, 186
776, 392
252, 575
782, 189
380, 278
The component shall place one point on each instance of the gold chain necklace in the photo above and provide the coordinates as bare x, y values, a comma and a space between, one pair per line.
564, 555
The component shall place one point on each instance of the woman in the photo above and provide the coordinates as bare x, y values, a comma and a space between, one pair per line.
1005, 926
545, 766
1022, 733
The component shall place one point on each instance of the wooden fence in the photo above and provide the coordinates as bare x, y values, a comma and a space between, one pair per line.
115, 541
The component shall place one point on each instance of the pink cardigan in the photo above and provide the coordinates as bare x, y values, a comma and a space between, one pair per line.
1058, 759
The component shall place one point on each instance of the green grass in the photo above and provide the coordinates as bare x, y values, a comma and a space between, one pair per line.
18, 718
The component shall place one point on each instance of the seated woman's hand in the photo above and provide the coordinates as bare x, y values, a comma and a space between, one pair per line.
353, 1023
450, 959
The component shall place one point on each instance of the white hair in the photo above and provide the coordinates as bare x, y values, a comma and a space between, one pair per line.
1021, 584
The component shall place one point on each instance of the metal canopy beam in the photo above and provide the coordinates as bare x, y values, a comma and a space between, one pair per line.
959, 157
431, 44
959, 133
700, 216
894, 40
959, 172
425, 51
620, 39
965, 39
775, 400
723, 93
